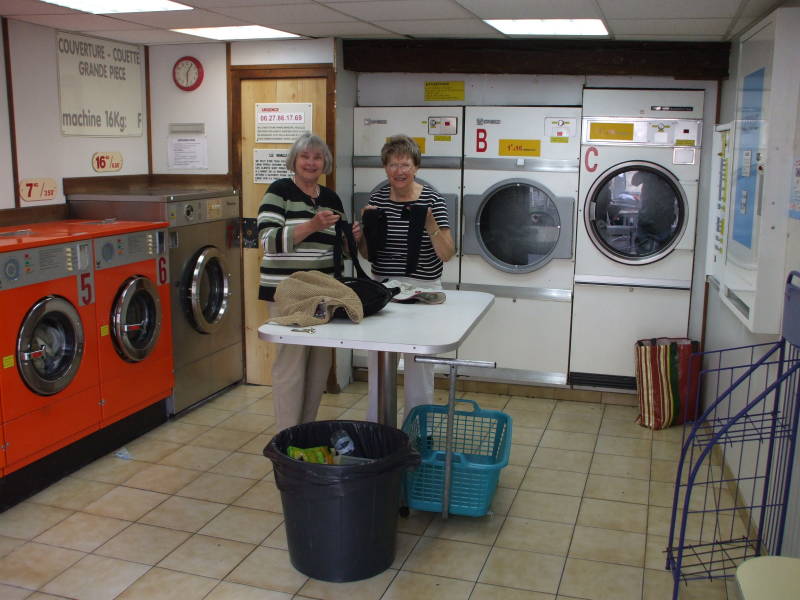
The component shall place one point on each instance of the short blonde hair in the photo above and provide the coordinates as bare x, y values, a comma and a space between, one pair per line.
309, 141
400, 145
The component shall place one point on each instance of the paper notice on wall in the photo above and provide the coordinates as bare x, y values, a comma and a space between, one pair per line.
794, 201
269, 165
187, 152
282, 123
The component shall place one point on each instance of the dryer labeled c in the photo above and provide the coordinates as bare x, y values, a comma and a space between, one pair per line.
640, 169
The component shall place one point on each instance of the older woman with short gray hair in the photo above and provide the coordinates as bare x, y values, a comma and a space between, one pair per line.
296, 228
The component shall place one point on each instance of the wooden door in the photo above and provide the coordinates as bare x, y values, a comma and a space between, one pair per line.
275, 85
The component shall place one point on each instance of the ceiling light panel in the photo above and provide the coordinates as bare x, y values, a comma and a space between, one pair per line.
549, 27
246, 32
107, 7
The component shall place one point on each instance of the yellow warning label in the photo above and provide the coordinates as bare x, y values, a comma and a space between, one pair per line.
8, 361
684, 142
520, 147
559, 140
443, 138
438, 91
103, 330
611, 131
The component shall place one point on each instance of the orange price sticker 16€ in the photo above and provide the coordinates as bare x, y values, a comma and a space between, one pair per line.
105, 162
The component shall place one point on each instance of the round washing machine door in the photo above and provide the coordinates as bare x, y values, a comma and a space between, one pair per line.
50, 345
518, 227
208, 290
136, 319
636, 212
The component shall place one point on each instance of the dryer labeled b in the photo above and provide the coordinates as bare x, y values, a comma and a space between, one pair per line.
520, 189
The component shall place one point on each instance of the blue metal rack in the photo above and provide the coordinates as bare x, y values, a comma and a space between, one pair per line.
733, 479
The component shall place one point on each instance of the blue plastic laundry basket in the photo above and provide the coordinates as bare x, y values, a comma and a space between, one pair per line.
481, 445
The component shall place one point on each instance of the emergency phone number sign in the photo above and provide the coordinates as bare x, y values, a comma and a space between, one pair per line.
99, 86
282, 123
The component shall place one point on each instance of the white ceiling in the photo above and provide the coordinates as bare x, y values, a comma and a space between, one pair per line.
655, 20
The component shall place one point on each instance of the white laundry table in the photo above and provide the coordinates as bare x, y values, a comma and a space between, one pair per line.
414, 328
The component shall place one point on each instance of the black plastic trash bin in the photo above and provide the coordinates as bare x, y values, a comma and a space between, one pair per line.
341, 520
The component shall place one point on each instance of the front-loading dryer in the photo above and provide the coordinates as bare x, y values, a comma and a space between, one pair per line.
49, 380
520, 189
640, 169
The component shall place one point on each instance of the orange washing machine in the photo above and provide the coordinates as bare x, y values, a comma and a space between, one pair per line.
49, 377
133, 317
131, 273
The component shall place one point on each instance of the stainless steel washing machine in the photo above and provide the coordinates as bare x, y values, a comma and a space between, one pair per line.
205, 281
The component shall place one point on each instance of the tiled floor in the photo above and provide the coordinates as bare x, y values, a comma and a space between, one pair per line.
191, 511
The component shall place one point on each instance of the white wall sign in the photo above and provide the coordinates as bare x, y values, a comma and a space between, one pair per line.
269, 165
187, 152
282, 123
99, 86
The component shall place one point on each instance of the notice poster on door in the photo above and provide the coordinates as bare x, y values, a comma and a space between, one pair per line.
282, 123
269, 165
99, 86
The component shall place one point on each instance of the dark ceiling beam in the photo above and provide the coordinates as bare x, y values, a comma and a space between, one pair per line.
681, 60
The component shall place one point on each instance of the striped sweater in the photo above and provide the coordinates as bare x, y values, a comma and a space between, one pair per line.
283, 208
391, 261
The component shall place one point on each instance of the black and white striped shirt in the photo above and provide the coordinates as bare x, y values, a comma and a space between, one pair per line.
391, 261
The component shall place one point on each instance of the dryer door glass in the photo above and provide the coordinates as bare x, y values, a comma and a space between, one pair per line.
208, 289
136, 319
518, 227
50, 345
636, 213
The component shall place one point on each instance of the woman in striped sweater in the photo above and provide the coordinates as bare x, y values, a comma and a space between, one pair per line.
296, 228
408, 205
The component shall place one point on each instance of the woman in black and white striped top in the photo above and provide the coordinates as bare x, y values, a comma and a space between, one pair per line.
401, 197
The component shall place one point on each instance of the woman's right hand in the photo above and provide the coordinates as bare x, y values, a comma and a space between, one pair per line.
323, 219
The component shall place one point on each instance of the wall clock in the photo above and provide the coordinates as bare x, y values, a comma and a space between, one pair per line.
187, 73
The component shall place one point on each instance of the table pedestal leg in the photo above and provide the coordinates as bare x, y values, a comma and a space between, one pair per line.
387, 388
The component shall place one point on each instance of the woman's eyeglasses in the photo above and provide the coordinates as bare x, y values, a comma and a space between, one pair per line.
400, 167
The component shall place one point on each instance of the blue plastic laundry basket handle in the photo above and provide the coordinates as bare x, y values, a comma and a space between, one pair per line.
475, 406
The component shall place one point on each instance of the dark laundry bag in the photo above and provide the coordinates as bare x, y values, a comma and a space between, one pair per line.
341, 520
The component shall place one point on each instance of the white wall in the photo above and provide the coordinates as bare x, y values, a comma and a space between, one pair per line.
7, 191
286, 52
343, 160
42, 151
208, 104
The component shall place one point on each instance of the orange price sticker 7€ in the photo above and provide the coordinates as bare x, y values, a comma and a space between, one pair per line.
34, 190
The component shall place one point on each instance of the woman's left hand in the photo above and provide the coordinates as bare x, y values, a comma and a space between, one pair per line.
431, 226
